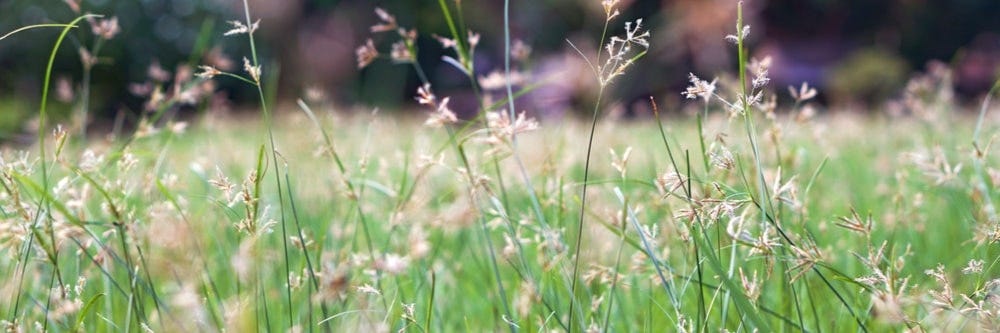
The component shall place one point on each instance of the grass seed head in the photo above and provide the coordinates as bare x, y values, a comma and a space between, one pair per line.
104, 28
366, 53
751, 285
622, 51
207, 72
400, 52
856, 223
621, 163
699, 88
239, 27
974, 267
610, 10
760, 70
387, 22
393, 264
739, 36
804, 93
157, 73
74, 5
442, 115
254, 71
520, 51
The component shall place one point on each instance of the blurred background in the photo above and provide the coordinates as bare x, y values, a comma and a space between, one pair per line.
859, 54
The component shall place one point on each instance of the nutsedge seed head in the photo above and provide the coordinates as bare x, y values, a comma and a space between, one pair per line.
804, 93
388, 22
240, 28
699, 88
254, 71
366, 53
207, 72
106, 29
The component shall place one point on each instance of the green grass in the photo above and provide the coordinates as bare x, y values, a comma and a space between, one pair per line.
735, 219
191, 255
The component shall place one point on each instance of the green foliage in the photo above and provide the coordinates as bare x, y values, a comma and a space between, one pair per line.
13, 113
868, 76
909, 213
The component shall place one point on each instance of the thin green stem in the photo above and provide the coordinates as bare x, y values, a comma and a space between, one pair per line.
583, 209
980, 156
88, 69
430, 303
535, 205
42, 118
618, 259
459, 41
354, 192
274, 153
765, 200
47, 25
489, 241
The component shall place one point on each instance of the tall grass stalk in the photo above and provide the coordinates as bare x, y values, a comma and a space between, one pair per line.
764, 201
465, 63
745, 102
255, 63
535, 205
39, 26
118, 223
88, 70
583, 210
606, 324
980, 156
700, 240
355, 193
515, 151
42, 131
481, 218
618, 49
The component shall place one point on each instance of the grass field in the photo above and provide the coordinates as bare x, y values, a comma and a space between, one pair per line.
746, 216
406, 249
